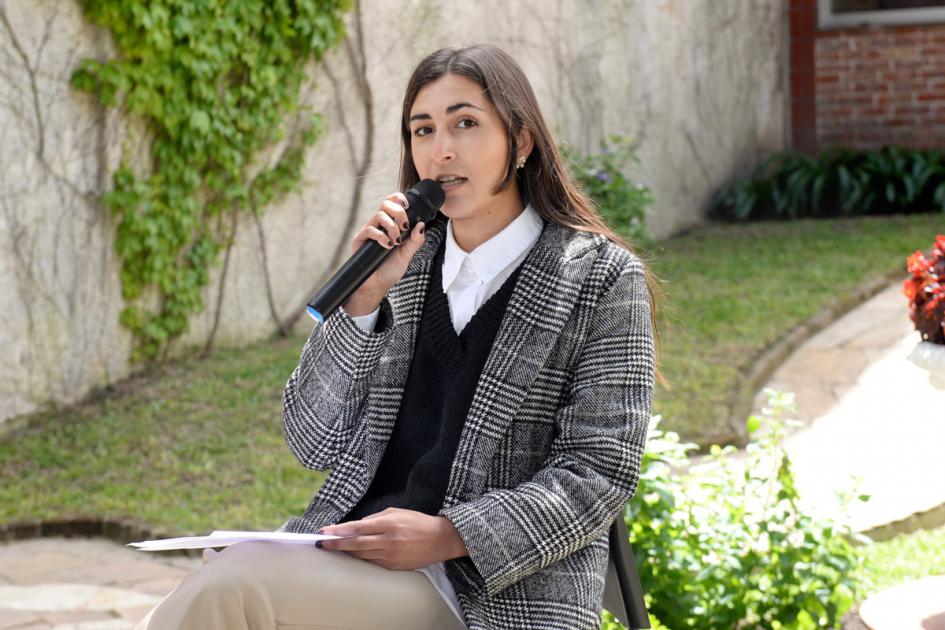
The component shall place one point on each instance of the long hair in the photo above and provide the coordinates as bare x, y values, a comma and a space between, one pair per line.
544, 181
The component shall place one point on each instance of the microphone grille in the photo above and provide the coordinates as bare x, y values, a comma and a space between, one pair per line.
431, 192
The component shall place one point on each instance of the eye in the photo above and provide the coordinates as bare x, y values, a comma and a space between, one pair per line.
421, 131
471, 123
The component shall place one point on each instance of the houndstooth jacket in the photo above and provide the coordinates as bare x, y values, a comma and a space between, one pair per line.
552, 444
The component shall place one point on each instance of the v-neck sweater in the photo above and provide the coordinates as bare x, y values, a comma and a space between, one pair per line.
414, 471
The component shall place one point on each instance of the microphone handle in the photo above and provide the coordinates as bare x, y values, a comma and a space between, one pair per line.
348, 278
371, 255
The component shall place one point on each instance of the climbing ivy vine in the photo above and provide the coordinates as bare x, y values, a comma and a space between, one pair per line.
214, 81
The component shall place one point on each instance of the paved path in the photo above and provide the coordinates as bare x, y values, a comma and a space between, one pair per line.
867, 411
82, 584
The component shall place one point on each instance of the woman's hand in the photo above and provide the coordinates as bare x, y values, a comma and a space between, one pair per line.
384, 227
397, 539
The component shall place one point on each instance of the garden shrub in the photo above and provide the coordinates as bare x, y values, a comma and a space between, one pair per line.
727, 546
839, 182
620, 201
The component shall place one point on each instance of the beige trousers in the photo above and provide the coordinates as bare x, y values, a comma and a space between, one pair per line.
267, 586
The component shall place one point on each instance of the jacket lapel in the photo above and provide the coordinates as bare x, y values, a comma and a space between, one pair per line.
541, 303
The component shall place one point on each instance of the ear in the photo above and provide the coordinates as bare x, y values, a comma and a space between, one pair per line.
525, 142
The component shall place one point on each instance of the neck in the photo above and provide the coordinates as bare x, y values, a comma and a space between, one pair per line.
472, 232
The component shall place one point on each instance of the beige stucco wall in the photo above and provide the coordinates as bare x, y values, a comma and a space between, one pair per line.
698, 84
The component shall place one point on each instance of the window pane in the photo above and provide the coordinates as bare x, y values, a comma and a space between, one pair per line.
852, 6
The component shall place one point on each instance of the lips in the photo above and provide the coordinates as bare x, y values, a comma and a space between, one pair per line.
448, 182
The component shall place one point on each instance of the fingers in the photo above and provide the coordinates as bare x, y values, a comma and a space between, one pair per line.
386, 225
412, 244
362, 527
375, 543
371, 233
388, 220
395, 207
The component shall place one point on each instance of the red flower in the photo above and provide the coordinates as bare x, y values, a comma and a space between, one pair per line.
917, 264
926, 291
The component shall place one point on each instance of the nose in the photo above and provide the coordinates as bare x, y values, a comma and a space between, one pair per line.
443, 149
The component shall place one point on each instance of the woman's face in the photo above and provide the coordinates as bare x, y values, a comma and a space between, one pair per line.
458, 139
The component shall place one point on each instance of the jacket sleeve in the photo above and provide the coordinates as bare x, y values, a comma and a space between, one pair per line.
593, 465
323, 399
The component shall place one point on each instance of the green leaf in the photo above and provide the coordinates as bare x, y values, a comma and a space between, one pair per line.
214, 81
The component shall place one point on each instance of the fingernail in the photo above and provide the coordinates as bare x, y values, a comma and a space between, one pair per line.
320, 531
421, 230
390, 243
406, 225
397, 240
318, 544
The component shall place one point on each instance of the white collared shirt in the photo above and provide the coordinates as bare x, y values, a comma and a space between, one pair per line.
471, 278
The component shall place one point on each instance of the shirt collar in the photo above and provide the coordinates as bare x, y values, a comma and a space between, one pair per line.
490, 258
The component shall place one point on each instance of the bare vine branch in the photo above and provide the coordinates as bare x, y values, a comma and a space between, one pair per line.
354, 52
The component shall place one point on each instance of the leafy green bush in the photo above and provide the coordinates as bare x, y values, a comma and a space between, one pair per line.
727, 546
840, 182
620, 201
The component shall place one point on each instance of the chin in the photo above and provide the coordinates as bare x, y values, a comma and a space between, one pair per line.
453, 211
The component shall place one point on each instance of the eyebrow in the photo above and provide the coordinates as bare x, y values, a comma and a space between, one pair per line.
449, 110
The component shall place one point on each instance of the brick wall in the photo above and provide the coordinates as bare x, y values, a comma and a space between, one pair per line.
802, 16
880, 85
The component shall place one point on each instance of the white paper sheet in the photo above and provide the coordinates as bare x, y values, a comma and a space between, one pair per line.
226, 538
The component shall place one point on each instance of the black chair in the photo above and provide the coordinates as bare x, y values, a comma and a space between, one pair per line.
623, 592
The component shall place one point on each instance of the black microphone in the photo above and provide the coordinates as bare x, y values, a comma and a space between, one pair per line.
423, 202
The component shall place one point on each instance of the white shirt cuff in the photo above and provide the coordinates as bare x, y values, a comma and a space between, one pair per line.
367, 322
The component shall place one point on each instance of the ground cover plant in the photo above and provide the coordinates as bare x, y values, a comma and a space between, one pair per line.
729, 547
903, 558
727, 544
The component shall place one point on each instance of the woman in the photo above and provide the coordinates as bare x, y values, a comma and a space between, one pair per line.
482, 399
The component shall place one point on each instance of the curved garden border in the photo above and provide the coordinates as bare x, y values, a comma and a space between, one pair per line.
756, 374
762, 366
122, 531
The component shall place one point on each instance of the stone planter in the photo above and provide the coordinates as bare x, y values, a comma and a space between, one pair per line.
931, 357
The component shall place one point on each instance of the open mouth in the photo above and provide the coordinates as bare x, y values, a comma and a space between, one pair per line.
449, 183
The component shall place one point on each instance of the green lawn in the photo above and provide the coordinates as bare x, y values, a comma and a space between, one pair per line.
188, 446
733, 290
903, 558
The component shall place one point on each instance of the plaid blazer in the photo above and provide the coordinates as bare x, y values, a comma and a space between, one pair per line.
552, 444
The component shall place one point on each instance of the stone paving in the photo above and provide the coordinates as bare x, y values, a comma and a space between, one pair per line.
82, 584
866, 411
869, 413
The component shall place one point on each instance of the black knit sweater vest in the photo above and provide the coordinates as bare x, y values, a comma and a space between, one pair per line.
415, 469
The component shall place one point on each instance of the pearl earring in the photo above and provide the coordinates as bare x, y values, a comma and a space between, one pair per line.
520, 162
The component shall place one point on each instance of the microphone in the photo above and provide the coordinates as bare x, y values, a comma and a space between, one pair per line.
423, 202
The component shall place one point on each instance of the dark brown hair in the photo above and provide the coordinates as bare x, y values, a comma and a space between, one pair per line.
544, 181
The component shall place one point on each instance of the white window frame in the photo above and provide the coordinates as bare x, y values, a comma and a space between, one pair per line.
827, 19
